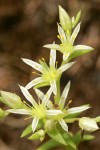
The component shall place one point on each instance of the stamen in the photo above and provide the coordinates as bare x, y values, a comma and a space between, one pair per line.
27, 104
67, 106
58, 36
36, 73
43, 59
27, 118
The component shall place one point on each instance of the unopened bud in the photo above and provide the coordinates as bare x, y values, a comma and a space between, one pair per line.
11, 99
88, 124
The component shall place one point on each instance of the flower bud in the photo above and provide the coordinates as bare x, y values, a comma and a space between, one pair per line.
37, 135
65, 20
11, 99
88, 124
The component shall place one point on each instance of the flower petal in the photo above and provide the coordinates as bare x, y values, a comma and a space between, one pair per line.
35, 123
62, 34
77, 109
41, 96
39, 93
63, 124
33, 64
54, 112
65, 56
64, 95
47, 96
52, 58
52, 46
65, 67
75, 33
53, 85
34, 82
82, 47
27, 95
20, 111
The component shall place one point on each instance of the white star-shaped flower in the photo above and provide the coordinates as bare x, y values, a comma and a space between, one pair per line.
66, 47
39, 111
49, 74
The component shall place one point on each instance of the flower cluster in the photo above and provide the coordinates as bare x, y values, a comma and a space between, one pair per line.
51, 113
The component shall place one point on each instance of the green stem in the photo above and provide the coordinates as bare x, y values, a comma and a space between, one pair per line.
57, 97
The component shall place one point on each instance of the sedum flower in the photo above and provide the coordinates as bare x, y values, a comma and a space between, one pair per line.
61, 107
88, 124
39, 111
67, 47
49, 74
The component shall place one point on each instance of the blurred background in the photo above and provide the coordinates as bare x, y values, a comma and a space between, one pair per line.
25, 26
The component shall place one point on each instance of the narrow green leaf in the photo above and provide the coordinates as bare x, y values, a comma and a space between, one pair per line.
77, 53
27, 131
69, 140
57, 136
49, 145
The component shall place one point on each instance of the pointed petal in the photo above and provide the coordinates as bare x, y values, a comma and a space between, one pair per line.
82, 47
53, 86
33, 64
52, 58
65, 56
63, 124
35, 123
52, 46
41, 96
61, 33
75, 33
20, 111
54, 112
47, 96
34, 82
65, 67
77, 109
64, 95
27, 95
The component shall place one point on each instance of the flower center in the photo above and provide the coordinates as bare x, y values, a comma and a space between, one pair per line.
66, 47
50, 75
40, 111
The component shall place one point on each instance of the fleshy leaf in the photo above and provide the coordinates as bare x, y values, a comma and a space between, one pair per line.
56, 135
49, 145
27, 131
